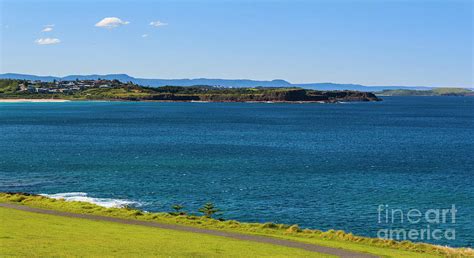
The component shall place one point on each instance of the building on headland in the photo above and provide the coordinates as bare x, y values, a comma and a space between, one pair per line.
64, 86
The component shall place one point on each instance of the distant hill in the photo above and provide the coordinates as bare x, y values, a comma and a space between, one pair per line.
358, 87
433, 92
212, 82
27, 77
154, 82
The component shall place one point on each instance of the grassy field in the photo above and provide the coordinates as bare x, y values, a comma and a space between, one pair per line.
337, 239
30, 234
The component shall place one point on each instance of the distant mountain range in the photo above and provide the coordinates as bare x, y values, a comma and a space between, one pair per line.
211, 82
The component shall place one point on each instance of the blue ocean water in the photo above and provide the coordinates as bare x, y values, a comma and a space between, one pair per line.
321, 166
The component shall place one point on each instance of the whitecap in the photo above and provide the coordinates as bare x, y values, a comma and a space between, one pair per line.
82, 197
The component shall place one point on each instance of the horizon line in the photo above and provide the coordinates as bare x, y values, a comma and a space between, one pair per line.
234, 79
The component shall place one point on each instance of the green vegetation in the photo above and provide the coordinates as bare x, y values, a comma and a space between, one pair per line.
116, 90
433, 92
8, 86
178, 208
451, 91
331, 238
208, 210
27, 234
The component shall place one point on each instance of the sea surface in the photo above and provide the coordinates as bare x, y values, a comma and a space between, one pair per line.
323, 166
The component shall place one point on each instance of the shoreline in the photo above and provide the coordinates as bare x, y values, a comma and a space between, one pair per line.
331, 238
32, 100
171, 101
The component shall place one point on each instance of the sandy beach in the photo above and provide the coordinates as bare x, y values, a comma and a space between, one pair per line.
32, 100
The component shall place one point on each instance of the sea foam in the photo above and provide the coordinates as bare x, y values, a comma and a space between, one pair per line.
82, 197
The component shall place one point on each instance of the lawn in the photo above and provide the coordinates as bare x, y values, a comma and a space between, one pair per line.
331, 238
30, 234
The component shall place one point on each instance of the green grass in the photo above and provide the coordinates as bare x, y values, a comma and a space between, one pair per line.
8, 86
337, 239
433, 92
30, 234
443, 91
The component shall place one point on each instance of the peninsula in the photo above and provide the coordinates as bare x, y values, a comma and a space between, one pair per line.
116, 90
432, 92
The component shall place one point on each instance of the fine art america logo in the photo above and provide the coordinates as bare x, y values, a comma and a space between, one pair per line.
415, 224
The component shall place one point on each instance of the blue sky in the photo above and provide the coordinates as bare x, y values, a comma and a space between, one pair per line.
368, 42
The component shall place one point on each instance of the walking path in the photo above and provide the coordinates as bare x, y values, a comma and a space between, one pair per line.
254, 238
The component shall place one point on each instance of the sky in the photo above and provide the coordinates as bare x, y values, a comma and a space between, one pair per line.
424, 43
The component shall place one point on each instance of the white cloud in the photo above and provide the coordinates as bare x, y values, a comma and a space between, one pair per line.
144, 35
158, 23
47, 41
111, 22
48, 28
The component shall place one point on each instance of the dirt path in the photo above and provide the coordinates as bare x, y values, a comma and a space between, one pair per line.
254, 238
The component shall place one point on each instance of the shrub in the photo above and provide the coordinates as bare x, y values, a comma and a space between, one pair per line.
269, 225
293, 229
17, 198
136, 213
232, 222
283, 226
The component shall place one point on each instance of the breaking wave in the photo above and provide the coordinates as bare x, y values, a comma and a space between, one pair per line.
82, 197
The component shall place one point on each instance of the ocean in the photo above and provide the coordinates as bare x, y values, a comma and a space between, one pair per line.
324, 166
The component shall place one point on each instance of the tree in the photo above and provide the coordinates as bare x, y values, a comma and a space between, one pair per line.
178, 208
209, 209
